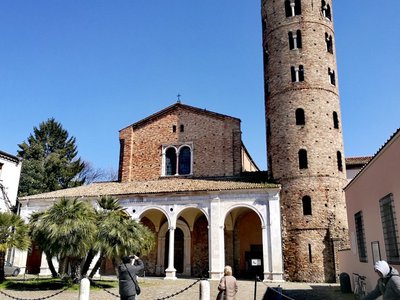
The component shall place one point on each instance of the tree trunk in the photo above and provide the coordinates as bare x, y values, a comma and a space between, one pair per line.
2, 260
63, 267
49, 260
96, 266
76, 269
89, 258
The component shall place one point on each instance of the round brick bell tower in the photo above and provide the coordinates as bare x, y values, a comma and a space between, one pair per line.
304, 134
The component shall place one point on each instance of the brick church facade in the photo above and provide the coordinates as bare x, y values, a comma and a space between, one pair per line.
183, 174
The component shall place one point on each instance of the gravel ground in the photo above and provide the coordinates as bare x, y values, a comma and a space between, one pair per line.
158, 288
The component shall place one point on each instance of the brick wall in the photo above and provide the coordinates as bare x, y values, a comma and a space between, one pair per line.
309, 240
216, 141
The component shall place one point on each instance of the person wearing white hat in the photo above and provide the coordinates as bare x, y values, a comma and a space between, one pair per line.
388, 284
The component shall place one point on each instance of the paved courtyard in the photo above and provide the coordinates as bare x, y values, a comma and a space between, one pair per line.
158, 288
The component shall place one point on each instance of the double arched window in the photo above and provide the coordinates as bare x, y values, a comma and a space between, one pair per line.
177, 160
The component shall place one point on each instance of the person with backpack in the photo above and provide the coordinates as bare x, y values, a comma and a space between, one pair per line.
388, 284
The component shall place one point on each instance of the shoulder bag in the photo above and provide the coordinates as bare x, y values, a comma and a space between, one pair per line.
221, 294
137, 287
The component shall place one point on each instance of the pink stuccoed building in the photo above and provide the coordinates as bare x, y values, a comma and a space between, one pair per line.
373, 211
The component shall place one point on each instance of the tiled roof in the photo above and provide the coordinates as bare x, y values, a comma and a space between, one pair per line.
357, 160
181, 106
8, 156
162, 186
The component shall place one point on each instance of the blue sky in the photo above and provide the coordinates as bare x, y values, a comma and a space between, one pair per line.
98, 66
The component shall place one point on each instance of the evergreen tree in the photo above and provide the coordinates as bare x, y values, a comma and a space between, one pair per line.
49, 160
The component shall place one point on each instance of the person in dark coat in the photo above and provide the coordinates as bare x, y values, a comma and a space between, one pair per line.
127, 289
388, 285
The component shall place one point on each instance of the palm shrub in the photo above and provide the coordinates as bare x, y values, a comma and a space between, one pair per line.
118, 234
67, 230
13, 233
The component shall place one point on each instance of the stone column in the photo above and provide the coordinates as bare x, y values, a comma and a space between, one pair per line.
170, 272
187, 255
272, 241
160, 255
216, 240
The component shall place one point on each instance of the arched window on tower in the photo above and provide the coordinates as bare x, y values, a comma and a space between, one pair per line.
297, 73
326, 10
331, 74
335, 120
300, 118
303, 161
292, 8
295, 40
307, 208
170, 161
329, 43
184, 160
339, 161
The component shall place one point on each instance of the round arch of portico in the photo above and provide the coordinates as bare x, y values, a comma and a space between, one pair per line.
187, 245
157, 208
238, 206
201, 209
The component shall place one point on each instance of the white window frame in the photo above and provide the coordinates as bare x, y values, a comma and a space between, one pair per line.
177, 148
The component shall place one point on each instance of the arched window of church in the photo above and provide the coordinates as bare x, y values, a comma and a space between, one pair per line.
303, 161
300, 118
184, 160
292, 8
170, 161
335, 120
307, 208
326, 10
339, 161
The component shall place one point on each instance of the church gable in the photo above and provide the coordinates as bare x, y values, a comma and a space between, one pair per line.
180, 140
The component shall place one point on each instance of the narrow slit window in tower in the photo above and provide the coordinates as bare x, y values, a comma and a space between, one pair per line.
300, 118
303, 161
173, 128
309, 253
339, 161
267, 90
291, 40
307, 209
332, 78
329, 43
182, 128
335, 120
